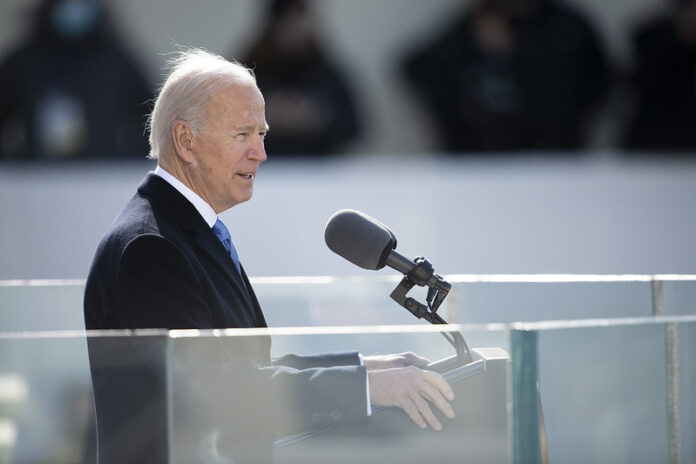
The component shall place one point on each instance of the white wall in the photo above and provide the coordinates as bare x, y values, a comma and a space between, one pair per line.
596, 215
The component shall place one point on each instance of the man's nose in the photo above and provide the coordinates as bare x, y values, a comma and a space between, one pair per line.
258, 150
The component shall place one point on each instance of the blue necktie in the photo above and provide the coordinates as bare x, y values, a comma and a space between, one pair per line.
224, 235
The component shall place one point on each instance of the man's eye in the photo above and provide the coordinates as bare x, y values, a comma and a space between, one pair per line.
242, 136
263, 134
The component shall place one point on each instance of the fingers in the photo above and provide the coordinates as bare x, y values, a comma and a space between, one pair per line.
437, 381
412, 359
391, 361
436, 397
419, 410
412, 390
430, 386
410, 408
426, 413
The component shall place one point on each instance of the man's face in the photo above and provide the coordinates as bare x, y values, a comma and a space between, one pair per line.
229, 147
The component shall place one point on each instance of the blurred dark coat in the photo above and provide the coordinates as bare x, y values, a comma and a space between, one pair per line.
63, 98
535, 97
665, 80
309, 105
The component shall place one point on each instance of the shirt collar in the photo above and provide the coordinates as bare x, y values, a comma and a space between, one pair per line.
203, 208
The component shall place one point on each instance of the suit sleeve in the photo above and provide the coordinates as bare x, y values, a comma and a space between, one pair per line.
318, 360
246, 399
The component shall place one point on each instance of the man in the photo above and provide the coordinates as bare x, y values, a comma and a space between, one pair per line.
168, 262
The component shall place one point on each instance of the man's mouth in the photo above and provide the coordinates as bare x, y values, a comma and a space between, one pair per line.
247, 175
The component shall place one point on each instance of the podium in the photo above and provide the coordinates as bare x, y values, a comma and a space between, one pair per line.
478, 433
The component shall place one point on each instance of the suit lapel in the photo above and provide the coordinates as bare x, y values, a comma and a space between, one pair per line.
186, 215
258, 314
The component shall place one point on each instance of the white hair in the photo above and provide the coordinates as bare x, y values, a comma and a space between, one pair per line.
194, 76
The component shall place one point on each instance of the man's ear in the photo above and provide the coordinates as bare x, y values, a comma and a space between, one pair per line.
183, 141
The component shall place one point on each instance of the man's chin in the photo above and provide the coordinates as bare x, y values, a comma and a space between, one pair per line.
243, 197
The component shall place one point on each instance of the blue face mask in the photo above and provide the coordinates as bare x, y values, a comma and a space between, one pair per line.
75, 19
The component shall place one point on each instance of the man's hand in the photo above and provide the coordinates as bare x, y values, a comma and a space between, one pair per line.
410, 389
389, 361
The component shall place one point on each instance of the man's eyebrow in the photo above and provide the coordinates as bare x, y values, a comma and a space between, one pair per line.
249, 127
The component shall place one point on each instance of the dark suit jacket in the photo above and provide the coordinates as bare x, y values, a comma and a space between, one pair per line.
160, 266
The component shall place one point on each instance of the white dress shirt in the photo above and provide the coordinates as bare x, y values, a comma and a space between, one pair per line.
203, 208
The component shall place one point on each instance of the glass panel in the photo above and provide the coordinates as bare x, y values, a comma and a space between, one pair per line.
329, 301
130, 376
610, 391
549, 299
46, 407
326, 301
679, 297
686, 390
186, 397
605, 390
41, 305
228, 402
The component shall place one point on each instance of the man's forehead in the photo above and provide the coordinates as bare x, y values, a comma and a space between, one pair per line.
237, 109
237, 99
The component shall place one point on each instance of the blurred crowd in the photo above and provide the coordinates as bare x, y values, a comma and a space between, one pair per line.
500, 76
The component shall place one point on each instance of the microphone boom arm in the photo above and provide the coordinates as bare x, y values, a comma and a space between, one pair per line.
423, 275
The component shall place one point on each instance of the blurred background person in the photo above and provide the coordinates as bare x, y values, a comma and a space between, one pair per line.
309, 105
664, 77
71, 90
511, 75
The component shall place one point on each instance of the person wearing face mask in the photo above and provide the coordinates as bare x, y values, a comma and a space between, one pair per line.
664, 80
511, 75
308, 100
72, 90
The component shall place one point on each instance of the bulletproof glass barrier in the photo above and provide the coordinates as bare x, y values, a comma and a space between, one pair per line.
609, 390
566, 384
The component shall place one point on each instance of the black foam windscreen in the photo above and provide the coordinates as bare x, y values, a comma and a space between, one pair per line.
360, 239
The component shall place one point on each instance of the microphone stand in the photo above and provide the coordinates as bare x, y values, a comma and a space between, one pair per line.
422, 275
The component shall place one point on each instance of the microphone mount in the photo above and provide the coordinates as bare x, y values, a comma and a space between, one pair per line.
420, 275
423, 275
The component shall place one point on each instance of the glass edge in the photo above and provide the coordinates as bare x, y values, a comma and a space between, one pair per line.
384, 278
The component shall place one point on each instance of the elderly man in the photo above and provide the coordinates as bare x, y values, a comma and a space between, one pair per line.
168, 262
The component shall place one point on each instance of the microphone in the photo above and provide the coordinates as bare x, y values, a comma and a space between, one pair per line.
371, 245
